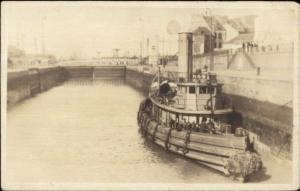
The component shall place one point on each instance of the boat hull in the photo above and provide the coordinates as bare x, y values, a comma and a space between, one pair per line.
225, 153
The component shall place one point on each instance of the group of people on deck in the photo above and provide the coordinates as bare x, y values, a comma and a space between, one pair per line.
205, 126
201, 74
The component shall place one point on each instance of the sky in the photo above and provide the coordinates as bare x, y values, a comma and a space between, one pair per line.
96, 28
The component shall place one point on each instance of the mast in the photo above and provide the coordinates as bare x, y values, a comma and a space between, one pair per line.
158, 76
43, 35
142, 39
163, 52
185, 56
211, 67
210, 87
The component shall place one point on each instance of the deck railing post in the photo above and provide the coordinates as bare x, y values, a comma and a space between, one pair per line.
93, 73
125, 73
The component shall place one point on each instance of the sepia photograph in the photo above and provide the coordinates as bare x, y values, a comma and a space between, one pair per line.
102, 95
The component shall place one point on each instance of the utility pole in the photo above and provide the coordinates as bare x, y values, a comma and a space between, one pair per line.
163, 47
211, 44
21, 41
43, 35
163, 53
98, 54
18, 41
116, 54
141, 54
35, 45
210, 87
142, 38
147, 50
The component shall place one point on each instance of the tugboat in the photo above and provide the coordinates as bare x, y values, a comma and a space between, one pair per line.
185, 113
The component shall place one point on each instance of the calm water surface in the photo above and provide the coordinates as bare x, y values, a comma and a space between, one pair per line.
88, 133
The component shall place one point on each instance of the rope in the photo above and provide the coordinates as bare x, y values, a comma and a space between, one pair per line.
167, 139
187, 141
139, 118
141, 123
232, 146
154, 132
146, 126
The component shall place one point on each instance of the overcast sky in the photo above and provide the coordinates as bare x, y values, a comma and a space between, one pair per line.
88, 27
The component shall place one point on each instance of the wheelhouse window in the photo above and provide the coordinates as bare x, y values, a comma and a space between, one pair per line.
192, 90
202, 90
219, 90
211, 90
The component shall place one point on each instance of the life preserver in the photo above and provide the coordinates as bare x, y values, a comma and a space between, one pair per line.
142, 105
139, 117
146, 126
143, 118
144, 122
154, 132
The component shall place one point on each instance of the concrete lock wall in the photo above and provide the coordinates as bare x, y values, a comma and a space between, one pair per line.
96, 72
265, 101
266, 107
24, 84
138, 80
268, 62
17, 87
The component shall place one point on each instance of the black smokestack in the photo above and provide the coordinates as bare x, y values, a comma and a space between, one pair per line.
185, 56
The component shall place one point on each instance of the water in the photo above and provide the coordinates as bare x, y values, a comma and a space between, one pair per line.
88, 133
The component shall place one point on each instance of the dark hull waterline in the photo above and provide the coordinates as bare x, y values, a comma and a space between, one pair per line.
225, 153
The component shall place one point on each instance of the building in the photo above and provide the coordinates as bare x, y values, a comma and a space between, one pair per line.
12, 55
217, 29
117, 60
203, 41
208, 34
19, 59
31, 61
153, 58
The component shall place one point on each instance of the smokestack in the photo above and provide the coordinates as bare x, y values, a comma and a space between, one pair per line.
148, 47
185, 56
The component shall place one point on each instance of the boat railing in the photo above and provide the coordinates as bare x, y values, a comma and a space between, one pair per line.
195, 104
180, 77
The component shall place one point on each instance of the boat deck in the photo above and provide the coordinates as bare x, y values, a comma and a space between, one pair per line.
190, 112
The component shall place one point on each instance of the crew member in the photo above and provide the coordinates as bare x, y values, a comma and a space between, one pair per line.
180, 125
203, 126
